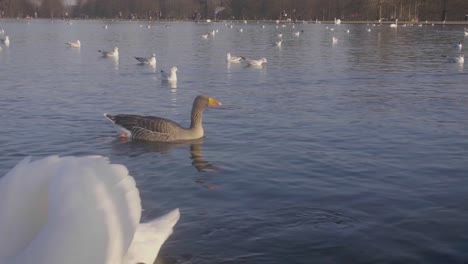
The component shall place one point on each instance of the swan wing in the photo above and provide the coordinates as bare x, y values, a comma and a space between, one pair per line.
88, 211
149, 238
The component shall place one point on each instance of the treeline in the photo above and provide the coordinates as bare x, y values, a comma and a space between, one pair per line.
241, 9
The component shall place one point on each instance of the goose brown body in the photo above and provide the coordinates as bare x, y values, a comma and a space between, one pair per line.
153, 128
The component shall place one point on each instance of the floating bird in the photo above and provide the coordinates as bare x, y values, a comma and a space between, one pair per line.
78, 210
152, 128
337, 21
6, 41
241, 30
458, 59
460, 45
114, 53
229, 58
279, 42
259, 62
395, 25
280, 35
105, 26
332, 29
297, 33
169, 78
465, 31
74, 44
151, 60
334, 40
205, 36
368, 30
347, 31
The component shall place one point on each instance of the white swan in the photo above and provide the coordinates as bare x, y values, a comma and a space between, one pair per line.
395, 25
114, 53
74, 44
229, 58
170, 78
337, 21
76, 210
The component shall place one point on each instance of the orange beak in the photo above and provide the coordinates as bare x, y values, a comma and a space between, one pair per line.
213, 102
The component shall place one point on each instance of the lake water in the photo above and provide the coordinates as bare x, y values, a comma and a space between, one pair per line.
354, 152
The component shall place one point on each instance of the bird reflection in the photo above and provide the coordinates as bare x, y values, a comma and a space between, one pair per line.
134, 148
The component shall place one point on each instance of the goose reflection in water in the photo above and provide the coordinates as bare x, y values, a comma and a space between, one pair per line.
134, 148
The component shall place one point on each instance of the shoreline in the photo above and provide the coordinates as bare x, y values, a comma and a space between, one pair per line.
251, 21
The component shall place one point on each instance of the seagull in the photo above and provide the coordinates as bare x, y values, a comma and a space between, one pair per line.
335, 40
368, 30
241, 30
169, 78
59, 206
205, 36
6, 41
459, 59
279, 42
74, 44
297, 33
151, 60
259, 62
460, 45
105, 26
332, 29
347, 31
280, 35
114, 53
229, 58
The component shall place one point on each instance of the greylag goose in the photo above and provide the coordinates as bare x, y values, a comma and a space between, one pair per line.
152, 128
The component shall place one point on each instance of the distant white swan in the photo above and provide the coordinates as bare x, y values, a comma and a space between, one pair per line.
76, 210
395, 25
114, 53
230, 58
151, 60
74, 44
337, 21
259, 62
169, 77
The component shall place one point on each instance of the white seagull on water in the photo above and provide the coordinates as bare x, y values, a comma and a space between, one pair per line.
74, 44
259, 62
230, 58
169, 77
151, 60
6, 41
76, 210
114, 53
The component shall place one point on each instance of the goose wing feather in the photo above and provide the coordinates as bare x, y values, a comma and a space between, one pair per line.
150, 123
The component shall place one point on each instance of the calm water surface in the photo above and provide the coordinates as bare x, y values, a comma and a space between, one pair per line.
349, 153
